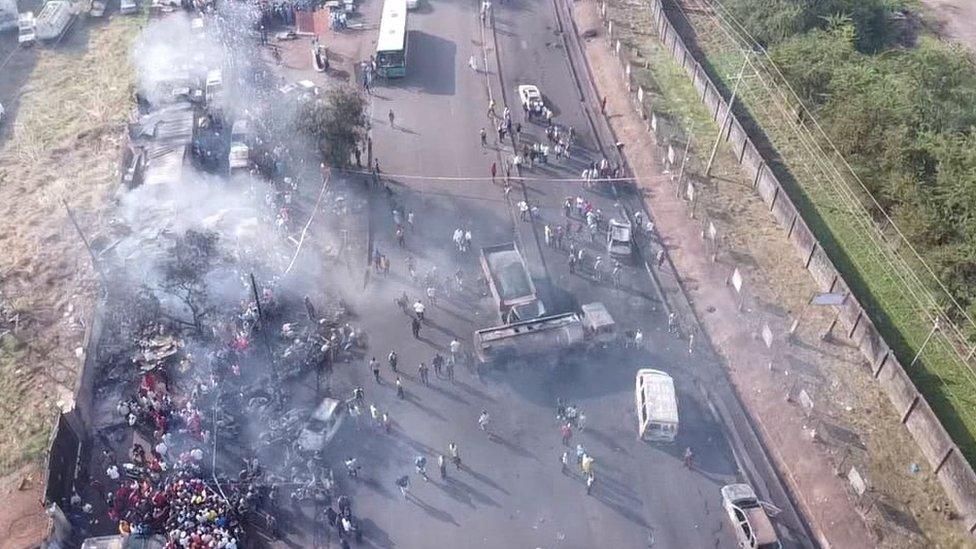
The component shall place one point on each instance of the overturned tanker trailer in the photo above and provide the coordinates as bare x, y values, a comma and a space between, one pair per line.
546, 339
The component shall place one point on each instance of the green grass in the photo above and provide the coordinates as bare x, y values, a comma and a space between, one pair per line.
940, 375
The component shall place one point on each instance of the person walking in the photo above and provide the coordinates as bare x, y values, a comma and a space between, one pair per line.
580, 452
691, 343
484, 138
438, 363
567, 431
688, 458
491, 109
494, 171
603, 105
452, 450
586, 464
392, 359
590, 480
387, 424
374, 413
473, 63
638, 338
442, 466
392, 118
450, 371
420, 462
375, 366
672, 323
423, 370
403, 483
418, 309
660, 258
572, 263
399, 389
564, 462
415, 327
455, 347
432, 296
483, 420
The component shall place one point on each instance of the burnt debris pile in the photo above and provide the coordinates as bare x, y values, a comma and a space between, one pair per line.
212, 387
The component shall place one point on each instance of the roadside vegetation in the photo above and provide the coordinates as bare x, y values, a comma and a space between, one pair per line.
64, 144
901, 109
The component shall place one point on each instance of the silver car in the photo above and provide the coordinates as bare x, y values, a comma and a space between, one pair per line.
752, 526
322, 425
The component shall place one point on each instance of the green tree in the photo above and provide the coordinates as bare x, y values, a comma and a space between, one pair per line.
337, 122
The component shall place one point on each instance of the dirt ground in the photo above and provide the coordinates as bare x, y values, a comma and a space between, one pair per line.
954, 19
60, 142
854, 423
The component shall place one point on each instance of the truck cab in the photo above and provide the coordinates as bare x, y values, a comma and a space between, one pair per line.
26, 31
619, 238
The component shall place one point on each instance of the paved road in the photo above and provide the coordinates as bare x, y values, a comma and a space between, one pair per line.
511, 493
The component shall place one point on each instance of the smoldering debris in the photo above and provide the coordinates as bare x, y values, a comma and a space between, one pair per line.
204, 338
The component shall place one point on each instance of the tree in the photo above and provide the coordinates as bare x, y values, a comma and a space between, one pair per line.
184, 272
337, 122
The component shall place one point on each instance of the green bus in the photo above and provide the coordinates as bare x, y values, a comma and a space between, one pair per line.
391, 48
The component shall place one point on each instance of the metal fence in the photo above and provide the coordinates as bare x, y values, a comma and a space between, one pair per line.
934, 335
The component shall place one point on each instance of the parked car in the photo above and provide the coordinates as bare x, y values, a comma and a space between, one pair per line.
753, 529
128, 6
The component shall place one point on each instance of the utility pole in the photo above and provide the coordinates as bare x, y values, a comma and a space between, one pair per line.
728, 115
94, 258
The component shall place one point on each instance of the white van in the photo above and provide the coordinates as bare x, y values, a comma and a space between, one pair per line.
657, 406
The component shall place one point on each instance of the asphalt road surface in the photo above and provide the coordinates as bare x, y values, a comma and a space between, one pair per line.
511, 492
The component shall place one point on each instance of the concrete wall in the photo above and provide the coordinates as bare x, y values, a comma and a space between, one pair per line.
784, 211
822, 269
767, 186
955, 474
752, 161
737, 139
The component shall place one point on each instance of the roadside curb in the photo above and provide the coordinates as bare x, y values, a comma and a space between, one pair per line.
746, 442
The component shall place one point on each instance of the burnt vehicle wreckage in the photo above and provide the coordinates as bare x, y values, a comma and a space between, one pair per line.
194, 433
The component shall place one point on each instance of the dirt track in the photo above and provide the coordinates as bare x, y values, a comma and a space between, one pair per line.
955, 20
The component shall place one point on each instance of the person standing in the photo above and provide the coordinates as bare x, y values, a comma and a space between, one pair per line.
564, 462
484, 138
483, 420
572, 263
442, 466
399, 388
452, 450
375, 366
473, 63
432, 296
450, 371
418, 309
392, 359
567, 432
415, 327
392, 117
423, 370
494, 171
672, 323
580, 452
